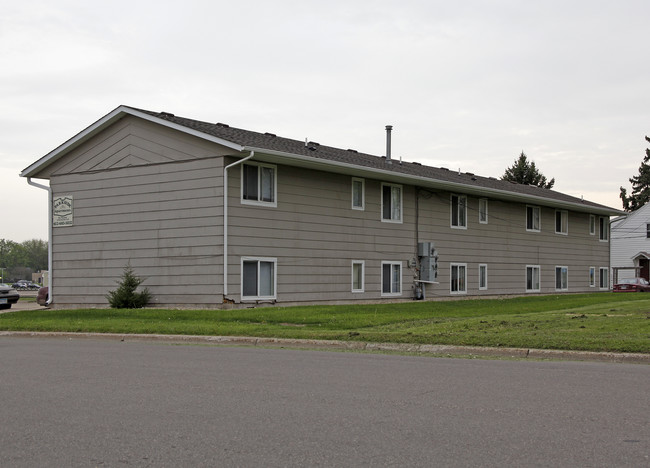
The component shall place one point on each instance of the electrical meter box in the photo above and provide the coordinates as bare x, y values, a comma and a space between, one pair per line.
428, 261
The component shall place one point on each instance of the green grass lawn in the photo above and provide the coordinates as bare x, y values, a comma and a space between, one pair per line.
594, 322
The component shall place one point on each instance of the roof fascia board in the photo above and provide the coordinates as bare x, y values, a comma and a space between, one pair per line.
110, 118
427, 182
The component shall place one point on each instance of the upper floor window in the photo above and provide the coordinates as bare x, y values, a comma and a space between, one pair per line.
561, 222
259, 184
483, 210
391, 203
358, 194
647, 231
592, 225
533, 215
604, 228
459, 211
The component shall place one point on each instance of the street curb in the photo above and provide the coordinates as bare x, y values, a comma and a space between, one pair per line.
437, 350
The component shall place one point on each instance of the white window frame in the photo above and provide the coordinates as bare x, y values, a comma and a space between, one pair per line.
483, 210
482, 267
462, 282
363, 193
362, 265
539, 278
259, 260
259, 202
592, 225
564, 278
461, 213
392, 209
603, 229
392, 282
592, 277
538, 210
564, 222
604, 270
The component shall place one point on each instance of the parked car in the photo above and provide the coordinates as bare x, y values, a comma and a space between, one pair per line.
8, 296
632, 285
43, 295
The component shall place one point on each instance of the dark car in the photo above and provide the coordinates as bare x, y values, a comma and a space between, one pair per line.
632, 285
42, 296
8, 296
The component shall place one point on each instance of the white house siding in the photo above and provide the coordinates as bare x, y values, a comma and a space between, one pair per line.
629, 237
160, 211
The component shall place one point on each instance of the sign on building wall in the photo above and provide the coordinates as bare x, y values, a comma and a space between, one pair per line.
62, 211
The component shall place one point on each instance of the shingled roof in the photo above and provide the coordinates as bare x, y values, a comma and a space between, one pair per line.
419, 174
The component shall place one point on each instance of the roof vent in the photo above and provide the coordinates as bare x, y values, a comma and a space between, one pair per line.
167, 115
219, 124
389, 128
416, 163
444, 168
352, 150
273, 135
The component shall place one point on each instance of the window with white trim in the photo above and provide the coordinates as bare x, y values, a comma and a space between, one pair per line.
647, 230
391, 203
258, 278
532, 278
458, 211
603, 280
391, 278
258, 186
561, 278
592, 225
358, 267
358, 193
483, 210
561, 222
604, 228
482, 277
533, 215
458, 283
592, 277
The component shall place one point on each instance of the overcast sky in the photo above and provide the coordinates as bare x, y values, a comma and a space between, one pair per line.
465, 84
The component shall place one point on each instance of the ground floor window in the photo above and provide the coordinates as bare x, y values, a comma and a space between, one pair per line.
357, 276
391, 278
482, 277
532, 278
258, 278
604, 278
458, 278
592, 277
561, 278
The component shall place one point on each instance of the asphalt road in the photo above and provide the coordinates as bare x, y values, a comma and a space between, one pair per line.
111, 403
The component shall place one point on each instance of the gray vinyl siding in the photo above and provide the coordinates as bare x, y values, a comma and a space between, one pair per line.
164, 216
315, 235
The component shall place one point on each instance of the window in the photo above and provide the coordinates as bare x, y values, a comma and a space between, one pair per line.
592, 225
459, 211
561, 222
458, 278
561, 278
258, 278
357, 276
647, 231
533, 218
604, 278
532, 278
358, 194
258, 184
391, 278
391, 203
483, 211
482, 277
604, 229
592, 277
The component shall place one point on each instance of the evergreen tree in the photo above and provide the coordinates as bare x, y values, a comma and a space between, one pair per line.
125, 296
640, 186
525, 172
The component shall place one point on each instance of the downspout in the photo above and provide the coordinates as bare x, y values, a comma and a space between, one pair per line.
225, 220
49, 235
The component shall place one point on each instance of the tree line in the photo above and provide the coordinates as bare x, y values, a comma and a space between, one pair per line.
19, 260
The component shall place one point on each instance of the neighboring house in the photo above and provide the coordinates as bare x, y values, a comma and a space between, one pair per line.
213, 215
631, 244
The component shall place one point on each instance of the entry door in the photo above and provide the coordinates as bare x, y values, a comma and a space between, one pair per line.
645, 269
